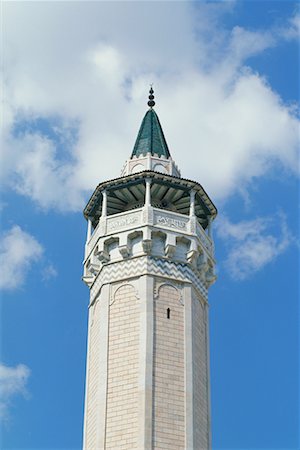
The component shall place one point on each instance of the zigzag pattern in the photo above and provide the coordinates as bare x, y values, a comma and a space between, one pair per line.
146, 265
178, 271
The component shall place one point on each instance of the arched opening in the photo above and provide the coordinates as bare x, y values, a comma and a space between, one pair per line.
137, 168
135, 242
160, 168
158, 243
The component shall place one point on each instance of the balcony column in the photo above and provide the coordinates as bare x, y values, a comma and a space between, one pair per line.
89, 229
192, 203
148, 210
148, 192
104, 204
192, 212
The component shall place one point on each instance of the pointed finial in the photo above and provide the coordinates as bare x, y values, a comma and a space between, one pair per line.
151, 101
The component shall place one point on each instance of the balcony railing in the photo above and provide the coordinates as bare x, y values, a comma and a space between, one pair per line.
156, 217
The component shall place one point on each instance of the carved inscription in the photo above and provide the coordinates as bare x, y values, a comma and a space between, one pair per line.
122, 222
171, 222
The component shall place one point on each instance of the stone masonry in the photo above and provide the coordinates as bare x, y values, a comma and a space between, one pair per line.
122, 381
168, 371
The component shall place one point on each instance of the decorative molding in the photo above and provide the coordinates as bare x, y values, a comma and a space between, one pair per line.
88, 280
170, 250
172, 221
147, 245
124, 251
128, 220
148, 265
159, 283
210, 277
103, 256
149, 162
117, 286
93, 310
191, 256
93, 268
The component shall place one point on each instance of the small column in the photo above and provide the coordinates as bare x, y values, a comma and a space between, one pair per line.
148, 210
89, 230
192, 212
104, 204
148, 192
192, 203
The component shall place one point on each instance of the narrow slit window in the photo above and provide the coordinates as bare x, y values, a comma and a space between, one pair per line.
168, 313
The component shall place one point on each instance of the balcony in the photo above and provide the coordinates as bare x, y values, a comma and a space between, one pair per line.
155, 218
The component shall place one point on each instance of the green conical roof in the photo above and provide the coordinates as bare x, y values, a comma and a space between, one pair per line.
150, 138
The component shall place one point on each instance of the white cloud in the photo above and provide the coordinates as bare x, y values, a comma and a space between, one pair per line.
245, 43
13, 382
292, 30
18, 251
77, 67
253, 244
49, 272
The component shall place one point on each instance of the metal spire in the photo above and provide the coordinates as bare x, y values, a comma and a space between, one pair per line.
151, 101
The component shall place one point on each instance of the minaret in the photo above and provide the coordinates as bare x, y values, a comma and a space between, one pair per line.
149, 261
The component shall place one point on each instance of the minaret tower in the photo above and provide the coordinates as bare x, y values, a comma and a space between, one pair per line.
149, 261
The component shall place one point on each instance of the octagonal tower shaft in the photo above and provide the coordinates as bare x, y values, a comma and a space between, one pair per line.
149, 261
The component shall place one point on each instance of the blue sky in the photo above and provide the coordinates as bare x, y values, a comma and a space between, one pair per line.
76, 76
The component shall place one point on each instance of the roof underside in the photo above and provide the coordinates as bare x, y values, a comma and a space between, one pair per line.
150, 137
169, 193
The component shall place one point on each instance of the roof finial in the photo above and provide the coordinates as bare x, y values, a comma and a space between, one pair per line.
151, 101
